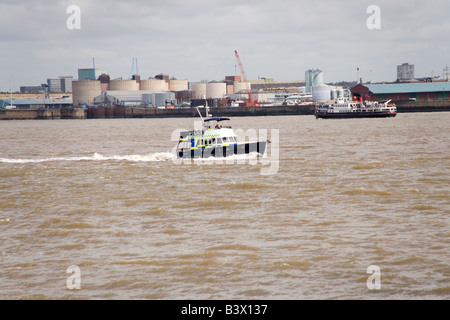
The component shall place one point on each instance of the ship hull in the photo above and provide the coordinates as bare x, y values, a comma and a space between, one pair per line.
224, 151
346, 115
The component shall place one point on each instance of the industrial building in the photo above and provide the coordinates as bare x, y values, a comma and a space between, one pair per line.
60, 85
32, 89
313, 77
405, 72
89, 74
33, 104
143, 98
413, 91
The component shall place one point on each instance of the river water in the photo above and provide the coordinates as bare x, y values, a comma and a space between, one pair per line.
336, 209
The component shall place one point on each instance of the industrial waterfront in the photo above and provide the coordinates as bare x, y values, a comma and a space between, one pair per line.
107, 197
95, 95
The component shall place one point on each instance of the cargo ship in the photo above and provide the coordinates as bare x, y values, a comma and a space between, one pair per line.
216, 138
346, 108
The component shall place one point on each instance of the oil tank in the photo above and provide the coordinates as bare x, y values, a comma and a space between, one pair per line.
241, 87
321, 93
199, 90
123, 85
216, 90
84, 92
154, 85
178, 85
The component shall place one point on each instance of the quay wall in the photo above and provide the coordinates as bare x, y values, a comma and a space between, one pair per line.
142, 112
422, 106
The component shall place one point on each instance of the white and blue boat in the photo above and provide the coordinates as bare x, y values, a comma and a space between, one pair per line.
216, 138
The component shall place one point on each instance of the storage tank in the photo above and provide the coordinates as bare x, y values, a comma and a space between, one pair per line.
199, 90
333, 92
241, 87
216, 90
123, 85
178, 85
154, 85
340, 92
321, 93
230, 89
313, 77
84, 92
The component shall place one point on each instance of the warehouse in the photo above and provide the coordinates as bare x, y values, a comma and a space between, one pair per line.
34, 104
416, 91
125, 98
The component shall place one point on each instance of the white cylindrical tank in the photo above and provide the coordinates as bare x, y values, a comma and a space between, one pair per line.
333, 93
241, 87
321, 93
153, 85
313, 78
199, 90
340, 92
178, 85
123, 85
216, 90
84, 92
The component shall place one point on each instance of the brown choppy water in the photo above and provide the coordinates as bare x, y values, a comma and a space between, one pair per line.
106, 196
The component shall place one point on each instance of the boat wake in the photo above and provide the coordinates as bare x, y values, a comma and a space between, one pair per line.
151, 157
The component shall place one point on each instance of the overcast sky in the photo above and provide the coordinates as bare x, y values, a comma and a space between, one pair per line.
195, 40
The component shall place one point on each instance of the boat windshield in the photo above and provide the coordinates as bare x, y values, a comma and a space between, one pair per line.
184, 144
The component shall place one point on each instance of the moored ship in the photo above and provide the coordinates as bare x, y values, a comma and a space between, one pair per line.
346, 108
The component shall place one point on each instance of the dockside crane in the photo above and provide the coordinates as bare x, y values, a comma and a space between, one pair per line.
238, 59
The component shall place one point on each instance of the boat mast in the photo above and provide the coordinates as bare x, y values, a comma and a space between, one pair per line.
10, 90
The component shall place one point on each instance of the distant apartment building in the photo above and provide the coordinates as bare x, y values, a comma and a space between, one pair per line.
405, 72
60, 85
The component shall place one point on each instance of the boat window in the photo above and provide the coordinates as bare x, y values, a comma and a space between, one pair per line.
184, 145
219, 140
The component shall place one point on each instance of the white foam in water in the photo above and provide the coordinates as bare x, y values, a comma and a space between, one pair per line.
151, 157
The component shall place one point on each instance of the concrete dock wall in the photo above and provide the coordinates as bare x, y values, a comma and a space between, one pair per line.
142, 112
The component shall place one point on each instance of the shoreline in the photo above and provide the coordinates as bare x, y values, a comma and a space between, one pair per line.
143, 112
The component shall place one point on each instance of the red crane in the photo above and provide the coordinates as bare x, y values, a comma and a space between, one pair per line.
252, 101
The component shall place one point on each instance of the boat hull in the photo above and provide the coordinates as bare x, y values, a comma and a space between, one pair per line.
346, 115
224, 151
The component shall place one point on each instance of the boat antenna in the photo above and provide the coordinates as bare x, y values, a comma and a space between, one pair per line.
207, 108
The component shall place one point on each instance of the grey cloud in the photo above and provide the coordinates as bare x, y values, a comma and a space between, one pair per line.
197, 39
